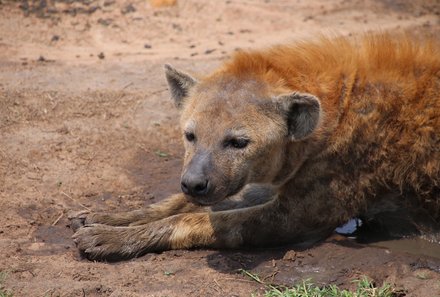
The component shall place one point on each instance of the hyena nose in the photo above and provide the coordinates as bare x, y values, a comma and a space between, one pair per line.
195, 186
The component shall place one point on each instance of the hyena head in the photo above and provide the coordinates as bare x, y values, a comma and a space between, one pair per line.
235, 132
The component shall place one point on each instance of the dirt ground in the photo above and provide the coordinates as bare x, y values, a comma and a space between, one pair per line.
86, 123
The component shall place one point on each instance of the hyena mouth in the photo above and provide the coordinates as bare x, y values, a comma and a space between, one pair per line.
236, 187
216, 195
202, 202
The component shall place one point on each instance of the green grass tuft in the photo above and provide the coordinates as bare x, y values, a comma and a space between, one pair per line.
3, 291
364, 288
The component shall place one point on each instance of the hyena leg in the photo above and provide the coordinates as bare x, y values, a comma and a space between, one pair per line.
250, 196
266, 224
168, 207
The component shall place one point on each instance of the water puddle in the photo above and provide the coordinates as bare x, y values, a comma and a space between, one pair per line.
414, 245
49, 240
419, 245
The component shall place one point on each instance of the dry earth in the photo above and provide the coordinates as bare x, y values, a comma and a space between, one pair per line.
86, 123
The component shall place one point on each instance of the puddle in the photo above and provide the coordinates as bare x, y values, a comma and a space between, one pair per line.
414, 245
53, 235
49, 240
419, 245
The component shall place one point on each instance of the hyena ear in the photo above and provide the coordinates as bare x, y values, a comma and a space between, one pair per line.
302, 112
180, 83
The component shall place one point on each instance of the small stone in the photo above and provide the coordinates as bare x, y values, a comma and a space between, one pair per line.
105, 22
109, 2
128, 9
290, 256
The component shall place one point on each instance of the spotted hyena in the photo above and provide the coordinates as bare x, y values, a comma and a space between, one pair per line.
283, 145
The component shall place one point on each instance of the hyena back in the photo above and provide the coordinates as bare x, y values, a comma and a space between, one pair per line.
284, 145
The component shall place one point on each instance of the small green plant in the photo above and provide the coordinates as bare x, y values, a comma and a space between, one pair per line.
161, 154
168, 273
364, 288
3, 291
422, 276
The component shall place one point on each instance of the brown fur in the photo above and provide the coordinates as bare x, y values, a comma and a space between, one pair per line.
331, 127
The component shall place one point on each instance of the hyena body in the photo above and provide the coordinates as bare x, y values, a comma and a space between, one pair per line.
286, 144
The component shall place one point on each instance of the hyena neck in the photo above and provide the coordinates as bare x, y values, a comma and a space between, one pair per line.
294, 158
297, 153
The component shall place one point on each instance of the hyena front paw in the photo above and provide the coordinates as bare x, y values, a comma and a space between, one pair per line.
97, 242
77, 218
81, 218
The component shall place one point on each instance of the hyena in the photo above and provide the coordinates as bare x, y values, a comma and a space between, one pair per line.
285, 144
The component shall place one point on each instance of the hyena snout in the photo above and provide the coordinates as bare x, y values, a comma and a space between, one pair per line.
195, 181
195, 185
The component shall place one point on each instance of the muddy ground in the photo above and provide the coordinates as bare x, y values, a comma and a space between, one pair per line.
86, 123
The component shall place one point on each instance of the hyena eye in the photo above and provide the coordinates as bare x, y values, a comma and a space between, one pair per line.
190, 136
237, 143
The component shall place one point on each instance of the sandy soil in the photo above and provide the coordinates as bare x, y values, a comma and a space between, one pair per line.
86, 123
